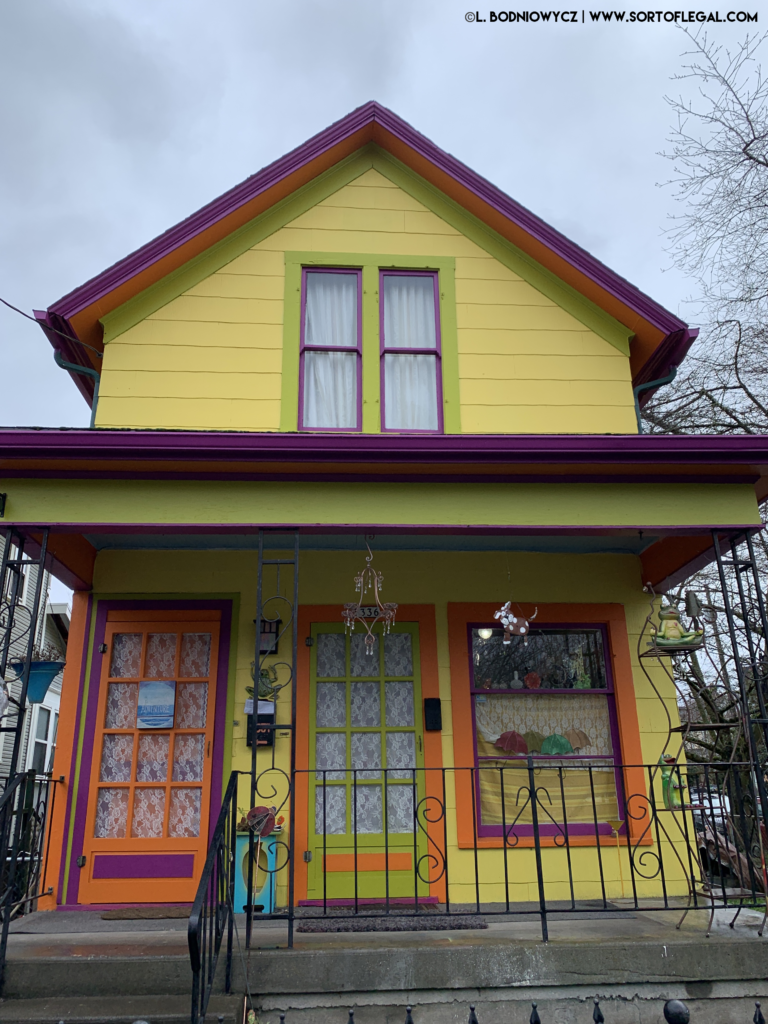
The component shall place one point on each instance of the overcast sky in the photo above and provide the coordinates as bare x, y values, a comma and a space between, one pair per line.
121, 118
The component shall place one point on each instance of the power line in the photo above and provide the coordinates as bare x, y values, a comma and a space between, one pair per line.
48, 327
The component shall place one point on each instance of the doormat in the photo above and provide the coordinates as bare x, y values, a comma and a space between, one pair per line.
145, 913
393, 923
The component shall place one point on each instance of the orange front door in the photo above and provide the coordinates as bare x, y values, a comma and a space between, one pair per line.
146, 832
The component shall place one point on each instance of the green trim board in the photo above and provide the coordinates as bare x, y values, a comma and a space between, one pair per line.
370, 264
368, 157
134, 503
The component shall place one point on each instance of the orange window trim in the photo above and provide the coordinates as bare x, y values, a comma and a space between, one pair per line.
613, 618
424, 616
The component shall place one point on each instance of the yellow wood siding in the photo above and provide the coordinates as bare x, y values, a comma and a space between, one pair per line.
211, 358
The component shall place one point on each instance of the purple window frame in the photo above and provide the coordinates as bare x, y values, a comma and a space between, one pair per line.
575, 828
437, 351
358, 273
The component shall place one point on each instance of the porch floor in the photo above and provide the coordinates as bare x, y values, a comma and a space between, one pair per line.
85, 934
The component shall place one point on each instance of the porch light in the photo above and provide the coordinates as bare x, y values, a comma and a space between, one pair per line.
485, 633
368, 579
269, 632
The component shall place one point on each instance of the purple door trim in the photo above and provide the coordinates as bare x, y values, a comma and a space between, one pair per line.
81, 800
144, 865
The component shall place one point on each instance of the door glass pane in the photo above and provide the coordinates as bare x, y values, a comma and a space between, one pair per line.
369, 811
410, 392
188, 758
398, 654
43, 721
362, 663
398, 701
331, 810
121, 706
366, 754
191, 705
161, 656
331, 710
152, 762
331, 752
148, 813
365, 705
195, 661
331, 655
184, 815
401, 754
116, 759
111, 814
399, 809
126, 656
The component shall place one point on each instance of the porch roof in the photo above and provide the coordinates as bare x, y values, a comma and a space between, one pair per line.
668, 551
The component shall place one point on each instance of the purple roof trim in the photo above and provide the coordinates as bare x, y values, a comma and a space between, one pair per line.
183, 446
337, 133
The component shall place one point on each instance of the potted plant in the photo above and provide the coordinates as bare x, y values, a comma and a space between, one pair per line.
47, 661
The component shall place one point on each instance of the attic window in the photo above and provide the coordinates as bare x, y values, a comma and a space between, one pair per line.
331, 350
410, 351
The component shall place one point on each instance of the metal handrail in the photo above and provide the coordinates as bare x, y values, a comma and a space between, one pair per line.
212, 910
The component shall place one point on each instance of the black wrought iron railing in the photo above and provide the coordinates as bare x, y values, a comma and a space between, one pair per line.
26, 807
211, 917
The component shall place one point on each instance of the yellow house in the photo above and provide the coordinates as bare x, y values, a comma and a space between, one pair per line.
365, 359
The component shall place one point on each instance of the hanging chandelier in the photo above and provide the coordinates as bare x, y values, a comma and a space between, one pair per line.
367, 580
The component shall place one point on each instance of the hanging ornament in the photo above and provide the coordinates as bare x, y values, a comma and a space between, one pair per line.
369, 579
514, 625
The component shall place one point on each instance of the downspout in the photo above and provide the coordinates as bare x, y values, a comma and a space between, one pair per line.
95, 376
645, 387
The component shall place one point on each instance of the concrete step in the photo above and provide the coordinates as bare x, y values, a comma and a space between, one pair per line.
117, 1009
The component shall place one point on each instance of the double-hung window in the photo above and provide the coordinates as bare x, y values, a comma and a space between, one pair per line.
331, 350
411, 390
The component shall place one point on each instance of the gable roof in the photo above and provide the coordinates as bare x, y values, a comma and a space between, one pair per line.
661, 339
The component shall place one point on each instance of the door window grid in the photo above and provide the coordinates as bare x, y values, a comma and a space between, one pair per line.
365, 734
153, 762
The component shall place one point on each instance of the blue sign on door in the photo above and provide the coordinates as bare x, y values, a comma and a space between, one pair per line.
157, 700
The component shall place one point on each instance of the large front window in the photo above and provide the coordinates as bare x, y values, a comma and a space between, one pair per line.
549, 695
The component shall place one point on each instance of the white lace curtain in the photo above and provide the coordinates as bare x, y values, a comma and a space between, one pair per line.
330, 377
410, 381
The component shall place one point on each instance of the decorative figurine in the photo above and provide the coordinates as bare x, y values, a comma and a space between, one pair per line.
670, 634
513, 625
515, 683
532, 680
268, 688
672, 785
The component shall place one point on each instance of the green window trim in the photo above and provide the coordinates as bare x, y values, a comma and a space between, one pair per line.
370, 265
